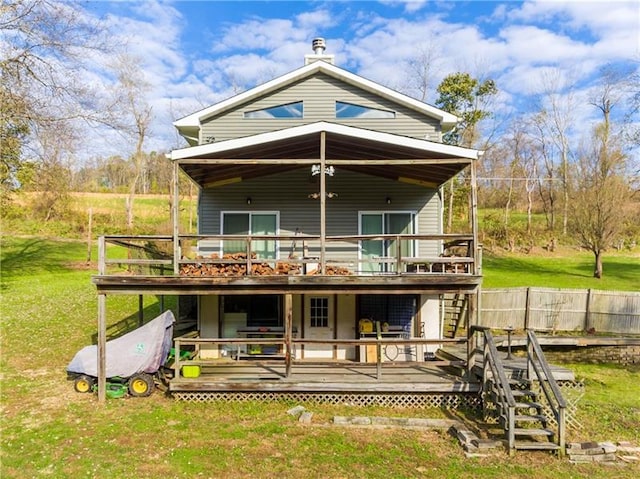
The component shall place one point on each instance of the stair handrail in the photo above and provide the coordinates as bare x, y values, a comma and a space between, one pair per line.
507, 400
548, 384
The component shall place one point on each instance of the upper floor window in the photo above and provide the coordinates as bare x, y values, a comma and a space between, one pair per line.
350, 110
290, 110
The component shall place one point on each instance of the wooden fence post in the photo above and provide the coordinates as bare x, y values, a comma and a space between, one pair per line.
527, 309
587, 314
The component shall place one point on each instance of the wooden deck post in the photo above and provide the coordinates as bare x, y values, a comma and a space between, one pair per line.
288, 332
176, 220
102, 348
472, 338
141, 310
323, 200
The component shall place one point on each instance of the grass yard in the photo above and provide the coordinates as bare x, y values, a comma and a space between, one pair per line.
48, 312
569, 268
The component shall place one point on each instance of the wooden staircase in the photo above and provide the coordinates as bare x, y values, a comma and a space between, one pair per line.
518, 407
455, 308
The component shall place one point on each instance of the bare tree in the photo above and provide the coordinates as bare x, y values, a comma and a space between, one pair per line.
421, 70
44, 47
556, 118
602, 191
136, 116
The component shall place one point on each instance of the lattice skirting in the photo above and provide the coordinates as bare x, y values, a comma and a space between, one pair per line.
417, 401
572, 391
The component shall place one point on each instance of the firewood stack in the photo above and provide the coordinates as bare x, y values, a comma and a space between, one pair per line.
237, 266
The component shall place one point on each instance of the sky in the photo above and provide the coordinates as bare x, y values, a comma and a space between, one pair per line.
196, 53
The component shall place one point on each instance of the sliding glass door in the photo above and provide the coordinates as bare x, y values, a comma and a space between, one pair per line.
384, 223
250, 224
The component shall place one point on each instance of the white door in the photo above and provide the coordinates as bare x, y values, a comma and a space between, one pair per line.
318, 324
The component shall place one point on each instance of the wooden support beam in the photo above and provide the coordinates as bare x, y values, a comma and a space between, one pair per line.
102, 348
323, 201
175, 213
141, 310
288, 332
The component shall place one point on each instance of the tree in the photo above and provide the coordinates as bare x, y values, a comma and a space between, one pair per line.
602, 191
45, 45
420, 69
467, 98
135, 119
556, 119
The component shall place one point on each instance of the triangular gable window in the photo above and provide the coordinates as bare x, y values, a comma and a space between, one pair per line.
290, 110
350, 110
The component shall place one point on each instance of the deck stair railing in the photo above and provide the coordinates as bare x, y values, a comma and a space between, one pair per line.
538, 369
518, 410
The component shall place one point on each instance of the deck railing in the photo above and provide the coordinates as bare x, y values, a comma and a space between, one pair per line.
210, 255
288, 350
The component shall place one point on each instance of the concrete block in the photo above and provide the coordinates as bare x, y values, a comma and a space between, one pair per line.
296, 411
305, 417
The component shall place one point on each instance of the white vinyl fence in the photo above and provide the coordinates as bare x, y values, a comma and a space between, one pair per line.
546, 309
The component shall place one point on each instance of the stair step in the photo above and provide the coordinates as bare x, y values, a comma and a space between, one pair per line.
521, 431
523, 392
529, 405
528, 418
532, 445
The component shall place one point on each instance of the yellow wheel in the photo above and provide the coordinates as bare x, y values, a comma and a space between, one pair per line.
141, 385
83, 384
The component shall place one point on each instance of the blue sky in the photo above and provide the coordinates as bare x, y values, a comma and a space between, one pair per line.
196, 53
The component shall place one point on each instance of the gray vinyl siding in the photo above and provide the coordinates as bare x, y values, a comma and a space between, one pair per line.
287, 193
319, 94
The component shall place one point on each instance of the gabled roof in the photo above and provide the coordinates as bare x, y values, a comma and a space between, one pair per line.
357, 149
193, 121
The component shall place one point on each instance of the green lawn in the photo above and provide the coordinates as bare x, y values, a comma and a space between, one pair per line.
48, 312
570, 269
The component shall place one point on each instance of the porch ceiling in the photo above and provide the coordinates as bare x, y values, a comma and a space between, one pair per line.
362, 155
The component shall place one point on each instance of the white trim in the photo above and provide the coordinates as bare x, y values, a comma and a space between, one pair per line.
354, 132
195, 119
414, 226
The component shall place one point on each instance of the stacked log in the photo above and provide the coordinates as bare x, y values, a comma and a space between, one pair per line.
236, 265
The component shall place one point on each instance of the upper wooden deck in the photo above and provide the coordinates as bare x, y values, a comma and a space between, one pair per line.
157, 265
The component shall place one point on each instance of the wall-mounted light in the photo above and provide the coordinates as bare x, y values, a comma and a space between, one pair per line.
388, 200
248, 200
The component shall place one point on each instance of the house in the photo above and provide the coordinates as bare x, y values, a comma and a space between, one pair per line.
320, 251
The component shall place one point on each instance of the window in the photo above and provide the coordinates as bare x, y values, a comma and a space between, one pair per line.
385, 223
349, 110
290, 110
250, 224
319, 312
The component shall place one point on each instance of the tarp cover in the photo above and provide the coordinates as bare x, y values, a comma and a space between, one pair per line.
142, 350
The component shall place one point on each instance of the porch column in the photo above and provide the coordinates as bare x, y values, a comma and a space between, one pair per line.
102, 348
474, 218
176, 220
288, 332
323, 199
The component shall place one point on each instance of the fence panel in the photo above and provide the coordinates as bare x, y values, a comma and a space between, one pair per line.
615, 312
561, 310
502, 308
557, 309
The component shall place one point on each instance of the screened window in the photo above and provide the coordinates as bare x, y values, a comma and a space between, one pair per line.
250, 224
290, 110
319, 314
350, 110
